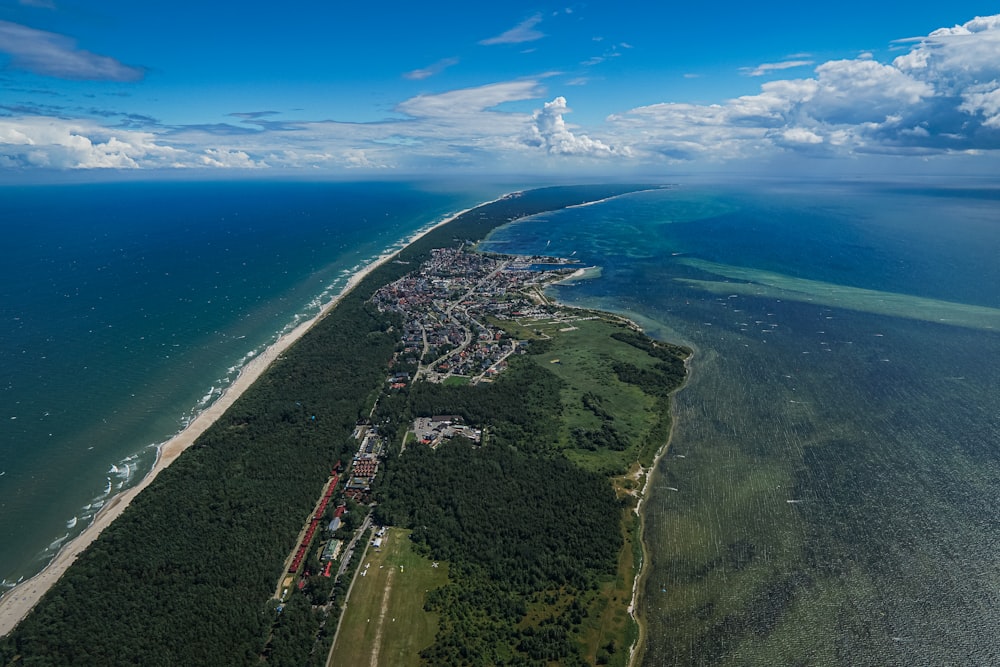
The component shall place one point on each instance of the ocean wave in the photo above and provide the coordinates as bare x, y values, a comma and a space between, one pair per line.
208, 397
56, 544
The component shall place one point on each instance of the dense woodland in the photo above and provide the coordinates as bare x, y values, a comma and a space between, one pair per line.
514, 526
185, 576
523, 529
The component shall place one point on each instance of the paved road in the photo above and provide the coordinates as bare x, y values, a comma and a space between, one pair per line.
349, 551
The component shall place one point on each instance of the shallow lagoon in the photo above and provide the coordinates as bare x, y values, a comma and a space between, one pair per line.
837, 453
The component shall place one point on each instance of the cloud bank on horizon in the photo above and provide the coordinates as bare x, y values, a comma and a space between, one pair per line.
938, 99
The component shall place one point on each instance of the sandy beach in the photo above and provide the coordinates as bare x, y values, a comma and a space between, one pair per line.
18, 601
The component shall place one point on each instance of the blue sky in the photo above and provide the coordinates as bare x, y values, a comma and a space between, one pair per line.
349, 89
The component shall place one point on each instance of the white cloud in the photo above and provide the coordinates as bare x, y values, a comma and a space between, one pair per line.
453, 129
62, 144
689, 132
765, 68
612, 52
522, 32
798, 135
549, 131
983, 100
427, 72
465, 102
856, 91
942, 96
229, 159
50, 54
357, 158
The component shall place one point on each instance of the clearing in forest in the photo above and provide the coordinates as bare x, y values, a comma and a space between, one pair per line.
385, 622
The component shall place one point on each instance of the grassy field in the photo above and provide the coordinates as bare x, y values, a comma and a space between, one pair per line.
385, 622
582, 353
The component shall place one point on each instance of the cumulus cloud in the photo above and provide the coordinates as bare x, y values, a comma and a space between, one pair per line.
983, 100
357, 158
454, 129
858, 91
549, 131
62, 144
522, 32
229, 159
51, 54
942, 96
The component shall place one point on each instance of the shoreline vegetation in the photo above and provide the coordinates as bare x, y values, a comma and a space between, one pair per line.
637, 650
73, 616
643, 474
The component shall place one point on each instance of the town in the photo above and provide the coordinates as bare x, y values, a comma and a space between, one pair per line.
451, 307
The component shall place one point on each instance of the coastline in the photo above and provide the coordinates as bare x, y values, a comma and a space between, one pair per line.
601, 201
637, 649
17, 602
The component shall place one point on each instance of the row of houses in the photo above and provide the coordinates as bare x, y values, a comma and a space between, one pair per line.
364, 466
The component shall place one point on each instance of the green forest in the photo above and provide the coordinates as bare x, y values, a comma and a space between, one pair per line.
530, 522
186, 574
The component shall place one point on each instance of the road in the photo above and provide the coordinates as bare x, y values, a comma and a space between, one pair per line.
364, 529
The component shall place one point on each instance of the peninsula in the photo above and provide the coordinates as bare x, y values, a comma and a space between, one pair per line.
538, 549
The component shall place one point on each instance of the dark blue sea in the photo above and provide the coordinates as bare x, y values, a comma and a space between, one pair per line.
831, 493
127, 308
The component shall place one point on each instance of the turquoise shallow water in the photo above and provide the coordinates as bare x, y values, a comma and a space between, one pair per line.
127, 308
830, 495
